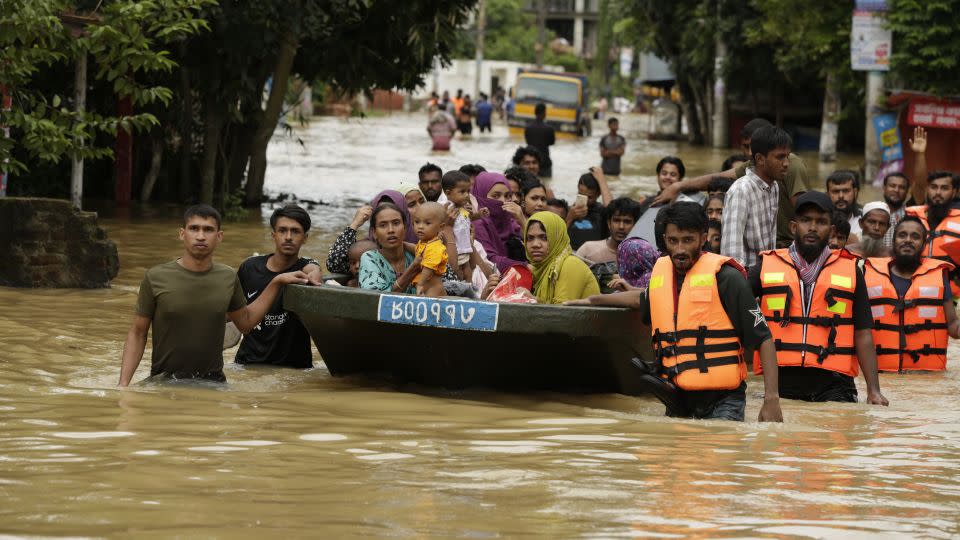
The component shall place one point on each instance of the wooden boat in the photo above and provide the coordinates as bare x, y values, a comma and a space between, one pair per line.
457, 343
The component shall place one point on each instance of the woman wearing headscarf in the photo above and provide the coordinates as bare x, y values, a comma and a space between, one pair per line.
337, 260
414, 197
558, 276
635, 260
498, 233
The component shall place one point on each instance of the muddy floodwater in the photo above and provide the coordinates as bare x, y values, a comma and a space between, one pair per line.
300, 453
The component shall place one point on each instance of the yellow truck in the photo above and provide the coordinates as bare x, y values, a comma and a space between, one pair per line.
566, 98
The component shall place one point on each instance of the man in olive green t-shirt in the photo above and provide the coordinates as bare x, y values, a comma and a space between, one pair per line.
187, 302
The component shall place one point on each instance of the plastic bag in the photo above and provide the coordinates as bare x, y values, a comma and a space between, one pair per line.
512, 286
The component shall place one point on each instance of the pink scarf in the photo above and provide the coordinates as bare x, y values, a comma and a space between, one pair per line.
809, 271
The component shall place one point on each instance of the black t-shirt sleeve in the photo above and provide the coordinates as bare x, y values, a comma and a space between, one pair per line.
862, 315
947, 291
739, 302
645, 306
753, 276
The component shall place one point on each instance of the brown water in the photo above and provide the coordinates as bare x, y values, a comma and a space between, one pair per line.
303, 454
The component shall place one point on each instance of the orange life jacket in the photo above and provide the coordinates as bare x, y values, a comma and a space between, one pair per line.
942, 241
823, 337
693, 337
910, 332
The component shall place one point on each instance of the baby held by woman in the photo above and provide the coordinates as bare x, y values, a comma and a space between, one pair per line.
428, 221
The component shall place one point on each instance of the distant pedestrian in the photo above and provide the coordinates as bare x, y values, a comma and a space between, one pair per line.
465, 116
441, 128
484, 114
541, 136
612, 147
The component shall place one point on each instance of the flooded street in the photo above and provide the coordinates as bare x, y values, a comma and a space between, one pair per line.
299, 453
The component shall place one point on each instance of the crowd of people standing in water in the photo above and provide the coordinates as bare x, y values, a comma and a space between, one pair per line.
747, 265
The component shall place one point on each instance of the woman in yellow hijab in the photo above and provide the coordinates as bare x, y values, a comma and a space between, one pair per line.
558, 275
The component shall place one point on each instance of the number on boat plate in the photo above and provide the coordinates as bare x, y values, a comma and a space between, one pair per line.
439, 312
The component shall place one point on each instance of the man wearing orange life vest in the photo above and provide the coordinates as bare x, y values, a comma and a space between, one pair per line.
816, 303
941, 217
702, 313
911, 303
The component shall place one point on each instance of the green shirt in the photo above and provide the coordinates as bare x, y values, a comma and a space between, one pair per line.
188, 313
795, 182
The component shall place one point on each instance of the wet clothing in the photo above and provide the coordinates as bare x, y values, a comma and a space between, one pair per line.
484, 114
816, 385
188, 313
740, 305
541, 136
280, 339
611, 165
795, 182
377, 274
714, 404
561, 276
591, 227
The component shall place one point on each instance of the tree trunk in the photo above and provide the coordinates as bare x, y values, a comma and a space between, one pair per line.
239, 155
268, 122
156, 159
828, 125
186, 135
689, 104
213, 125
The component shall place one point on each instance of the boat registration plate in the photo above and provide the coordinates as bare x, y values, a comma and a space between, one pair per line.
439, 312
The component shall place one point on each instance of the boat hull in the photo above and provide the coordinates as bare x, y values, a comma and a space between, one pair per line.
533, 347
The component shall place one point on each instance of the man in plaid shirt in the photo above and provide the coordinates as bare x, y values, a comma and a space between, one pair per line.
750, 206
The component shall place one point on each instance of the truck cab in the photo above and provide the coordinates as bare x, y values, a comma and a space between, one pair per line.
564, 94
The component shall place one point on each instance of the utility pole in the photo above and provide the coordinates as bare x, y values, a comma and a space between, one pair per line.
828, 123
481, 28
541, 30
872, 157
79, 105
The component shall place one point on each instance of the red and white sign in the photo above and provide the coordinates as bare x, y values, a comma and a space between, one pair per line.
934, 113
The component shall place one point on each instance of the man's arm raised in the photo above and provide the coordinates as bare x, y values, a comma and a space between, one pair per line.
698, 183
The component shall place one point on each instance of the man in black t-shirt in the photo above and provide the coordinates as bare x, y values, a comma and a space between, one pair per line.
280, 339
541, 136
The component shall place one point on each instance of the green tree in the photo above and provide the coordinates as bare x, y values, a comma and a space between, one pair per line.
511, 34
126, 42
926, 51
809, 41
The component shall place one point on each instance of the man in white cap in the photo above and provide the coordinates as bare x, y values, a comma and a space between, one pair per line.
874, 222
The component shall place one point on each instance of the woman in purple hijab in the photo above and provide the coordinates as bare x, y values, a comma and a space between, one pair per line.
397, 198
337, 260
498, 233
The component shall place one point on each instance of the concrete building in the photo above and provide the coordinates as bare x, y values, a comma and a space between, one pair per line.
574, 20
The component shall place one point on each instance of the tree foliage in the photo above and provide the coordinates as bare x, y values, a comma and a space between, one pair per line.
511, 34
926, 51
126, 43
